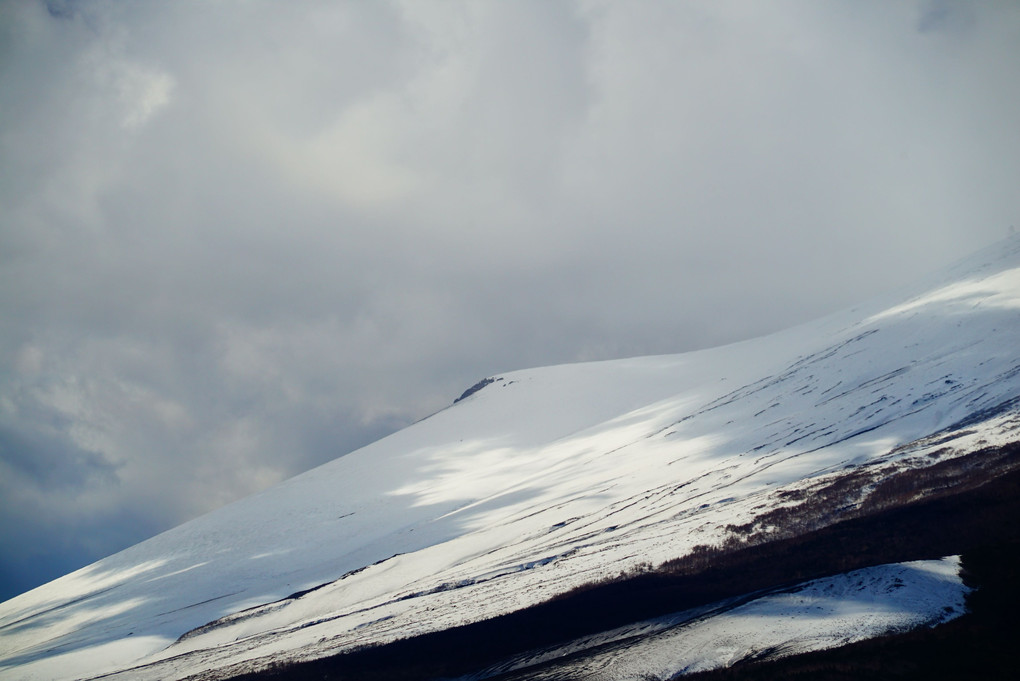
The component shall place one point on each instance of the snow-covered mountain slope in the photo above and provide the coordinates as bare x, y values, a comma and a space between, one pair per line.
542, 480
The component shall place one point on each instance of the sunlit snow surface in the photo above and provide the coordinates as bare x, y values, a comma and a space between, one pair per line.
544, 479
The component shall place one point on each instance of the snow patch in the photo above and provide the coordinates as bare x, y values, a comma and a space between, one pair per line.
815, 615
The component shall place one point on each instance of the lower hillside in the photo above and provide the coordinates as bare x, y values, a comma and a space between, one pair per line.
967, 505
980, 645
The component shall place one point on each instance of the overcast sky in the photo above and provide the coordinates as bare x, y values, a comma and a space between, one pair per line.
240, 239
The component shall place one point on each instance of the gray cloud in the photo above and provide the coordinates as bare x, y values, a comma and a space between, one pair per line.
239, 240
945, 15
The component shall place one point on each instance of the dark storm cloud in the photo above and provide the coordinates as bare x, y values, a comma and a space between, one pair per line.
241, 239
945, 15
50, 459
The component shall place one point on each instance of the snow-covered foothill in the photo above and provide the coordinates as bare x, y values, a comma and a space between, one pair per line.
815, 615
